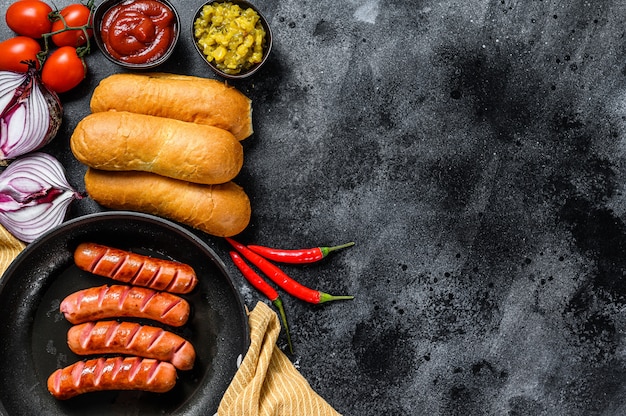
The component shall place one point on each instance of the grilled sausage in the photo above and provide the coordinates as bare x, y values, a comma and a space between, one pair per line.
135, 269
104, 302
112, 337
130, 373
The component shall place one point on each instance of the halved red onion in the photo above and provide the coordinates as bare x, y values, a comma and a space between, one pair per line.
30, 114
34, 196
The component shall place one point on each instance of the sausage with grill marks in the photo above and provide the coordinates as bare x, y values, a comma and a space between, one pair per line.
112, 337
135, 269
119, 301
117, 373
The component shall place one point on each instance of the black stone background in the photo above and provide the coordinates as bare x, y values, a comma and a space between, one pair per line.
475, 152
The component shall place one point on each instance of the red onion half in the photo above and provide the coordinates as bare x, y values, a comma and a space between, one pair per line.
34, 196
30, 114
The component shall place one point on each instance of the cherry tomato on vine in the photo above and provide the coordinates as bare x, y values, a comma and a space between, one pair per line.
75, 15
63, 69
29, 18
17, 51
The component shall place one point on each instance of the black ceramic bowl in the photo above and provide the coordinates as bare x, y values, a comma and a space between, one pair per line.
105, 6
266, 49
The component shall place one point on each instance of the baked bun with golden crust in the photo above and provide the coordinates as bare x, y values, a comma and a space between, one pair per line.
221, 210
119, 141
182, 97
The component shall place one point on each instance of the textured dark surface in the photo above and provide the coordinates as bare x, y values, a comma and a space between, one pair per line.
475, 152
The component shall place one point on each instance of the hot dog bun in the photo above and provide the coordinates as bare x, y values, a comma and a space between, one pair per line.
182, 97
193, 152
222, 210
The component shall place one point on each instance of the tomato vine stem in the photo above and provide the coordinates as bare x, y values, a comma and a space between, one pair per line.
81, 51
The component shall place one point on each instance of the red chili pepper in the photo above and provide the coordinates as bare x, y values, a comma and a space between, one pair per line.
282, 279
305, 255
264, 287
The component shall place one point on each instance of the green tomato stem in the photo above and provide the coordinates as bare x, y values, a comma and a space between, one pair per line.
80, 51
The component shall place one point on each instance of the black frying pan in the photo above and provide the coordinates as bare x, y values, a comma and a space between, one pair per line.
33, 332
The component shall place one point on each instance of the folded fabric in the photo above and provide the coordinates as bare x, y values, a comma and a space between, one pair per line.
267, 383
10, 247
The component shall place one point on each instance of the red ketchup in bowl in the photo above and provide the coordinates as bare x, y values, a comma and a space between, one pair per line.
138, 31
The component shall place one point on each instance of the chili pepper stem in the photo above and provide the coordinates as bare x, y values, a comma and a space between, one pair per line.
325, 297
281, 310
327, 250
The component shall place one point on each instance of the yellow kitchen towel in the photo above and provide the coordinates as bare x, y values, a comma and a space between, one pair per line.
10, 247
267, 383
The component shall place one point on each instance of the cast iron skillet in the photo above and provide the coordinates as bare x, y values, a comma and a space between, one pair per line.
33, 333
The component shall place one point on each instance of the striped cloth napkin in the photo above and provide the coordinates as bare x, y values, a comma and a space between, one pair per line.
266, 383
10, 247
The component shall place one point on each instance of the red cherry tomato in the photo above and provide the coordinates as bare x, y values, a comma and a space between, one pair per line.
75, 15
15, 53
29, 18
63, 69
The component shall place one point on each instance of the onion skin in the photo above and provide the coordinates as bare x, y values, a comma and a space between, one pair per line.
34, 196
30, 114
